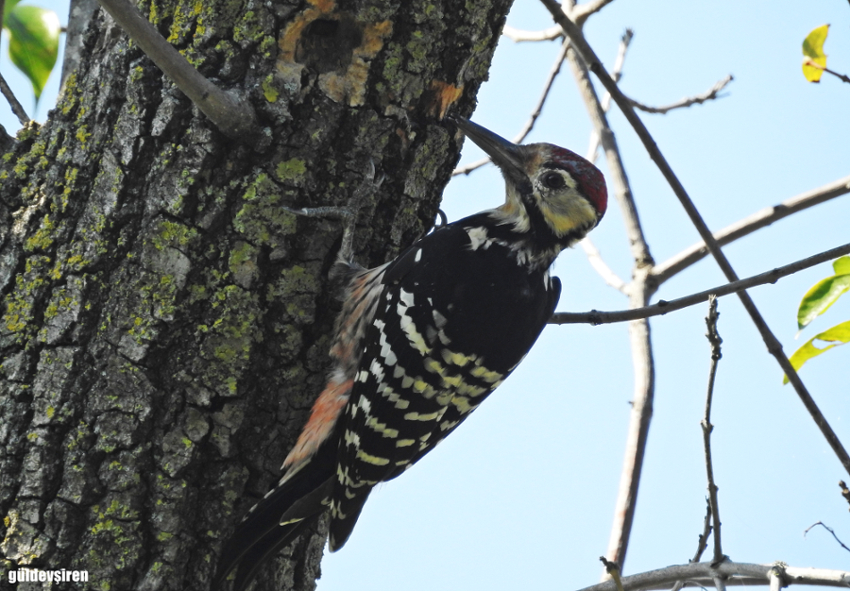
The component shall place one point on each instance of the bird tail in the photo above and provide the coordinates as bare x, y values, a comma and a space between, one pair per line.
343, 518
272, 523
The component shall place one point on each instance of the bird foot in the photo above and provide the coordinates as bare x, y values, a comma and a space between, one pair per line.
348, 212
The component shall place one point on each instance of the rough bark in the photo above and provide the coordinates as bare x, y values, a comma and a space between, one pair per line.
164, 322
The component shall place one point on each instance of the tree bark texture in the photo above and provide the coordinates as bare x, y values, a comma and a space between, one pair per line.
165, 324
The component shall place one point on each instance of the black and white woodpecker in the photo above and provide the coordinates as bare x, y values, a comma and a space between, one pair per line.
422, 340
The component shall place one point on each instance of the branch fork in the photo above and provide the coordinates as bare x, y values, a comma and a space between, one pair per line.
232, 114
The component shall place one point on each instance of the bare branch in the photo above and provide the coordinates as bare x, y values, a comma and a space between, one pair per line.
664, 271
233, 115
709, 95
17, 109
830, 530
715, 341
595, 260
639, 294
471, 166
702, 574
529, 125
596, 317
616, 73
639, 291
550, 80
593, 255
702, 542
578, 13
581, 12
774, 347
519, 35
617, 172
776, 577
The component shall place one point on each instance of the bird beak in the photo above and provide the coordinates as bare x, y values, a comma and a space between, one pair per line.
505, 154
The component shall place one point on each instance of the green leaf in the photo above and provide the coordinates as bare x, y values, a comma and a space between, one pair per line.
813, 54
842, 266
33, 43
837, 335
7, 8
820, 297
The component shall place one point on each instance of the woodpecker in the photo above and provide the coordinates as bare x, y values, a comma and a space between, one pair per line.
422, 340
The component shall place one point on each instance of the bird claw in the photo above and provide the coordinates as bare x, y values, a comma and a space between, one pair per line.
348, 212
443, 219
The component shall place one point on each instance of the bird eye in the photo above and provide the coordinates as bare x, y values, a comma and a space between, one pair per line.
553, 180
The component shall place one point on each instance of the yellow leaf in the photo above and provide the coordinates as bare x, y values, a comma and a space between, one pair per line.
814, 59
837, 335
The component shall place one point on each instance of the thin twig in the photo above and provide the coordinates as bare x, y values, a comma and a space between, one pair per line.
763, 218
663, 307
709, 95
830, 530
715, 340
6, 141
702, 542
578, 13
581, 12
845, 492
233, 115
810, 62
616, 74
774, 347
550, 80
702, 574
616, 170
17, 109
593, 255
842, 77
529, 125
599, 265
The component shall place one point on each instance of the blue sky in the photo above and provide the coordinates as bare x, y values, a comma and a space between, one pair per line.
522, 495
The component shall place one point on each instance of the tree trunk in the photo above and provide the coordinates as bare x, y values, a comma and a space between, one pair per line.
165, 323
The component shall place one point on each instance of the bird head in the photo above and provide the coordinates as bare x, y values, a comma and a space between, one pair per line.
552, 193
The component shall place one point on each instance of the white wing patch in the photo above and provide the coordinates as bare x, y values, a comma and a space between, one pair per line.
478, 238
